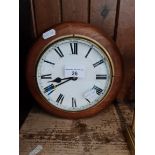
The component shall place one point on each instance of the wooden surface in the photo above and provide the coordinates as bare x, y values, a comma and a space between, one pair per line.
73, 10
99, 135
126, 113
126, 43
102, 15
46, 13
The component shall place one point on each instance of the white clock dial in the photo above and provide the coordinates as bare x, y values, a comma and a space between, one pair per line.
73, 74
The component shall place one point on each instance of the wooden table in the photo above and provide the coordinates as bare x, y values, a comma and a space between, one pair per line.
98, 135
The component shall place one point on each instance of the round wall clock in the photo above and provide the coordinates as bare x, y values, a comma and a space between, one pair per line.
74, 70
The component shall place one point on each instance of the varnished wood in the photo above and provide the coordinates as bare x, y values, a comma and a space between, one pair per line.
130, 139
46, 14
126, 43
33, 19
125, 114
103, 14
133, 124
88, 31
75, 10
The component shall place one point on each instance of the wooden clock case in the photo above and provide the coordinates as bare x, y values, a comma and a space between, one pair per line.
88, 32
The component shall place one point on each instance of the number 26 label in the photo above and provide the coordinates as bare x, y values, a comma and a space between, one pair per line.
71, 71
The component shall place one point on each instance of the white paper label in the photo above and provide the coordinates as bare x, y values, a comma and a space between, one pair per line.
91, 95
36, 150
74, 71
49, 34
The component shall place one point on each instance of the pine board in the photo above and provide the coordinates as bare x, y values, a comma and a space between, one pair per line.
125, 41
127, 112
103, 14
98, 135
73, 10
45, 13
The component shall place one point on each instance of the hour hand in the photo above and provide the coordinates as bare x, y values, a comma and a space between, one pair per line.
58, 79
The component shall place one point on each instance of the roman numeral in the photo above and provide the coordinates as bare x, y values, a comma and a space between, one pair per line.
46, 76
59, 52
88, 52
60, 99
98, 63
98, 90
74, 48
49, 89
49, 62
74, 102
101, 76
87, 100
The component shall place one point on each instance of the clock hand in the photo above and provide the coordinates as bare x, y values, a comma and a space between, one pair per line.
52, 87
58, 79
68, 79
62, 83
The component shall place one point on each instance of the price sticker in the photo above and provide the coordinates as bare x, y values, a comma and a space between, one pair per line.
91, 95
49, 34
36, 150
74, 71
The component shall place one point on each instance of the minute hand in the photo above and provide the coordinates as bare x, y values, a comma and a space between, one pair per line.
58, 79
64, 82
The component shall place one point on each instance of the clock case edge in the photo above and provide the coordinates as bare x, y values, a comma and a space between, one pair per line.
68, 30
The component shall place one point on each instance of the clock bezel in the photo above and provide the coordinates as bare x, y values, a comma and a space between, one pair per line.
39, 48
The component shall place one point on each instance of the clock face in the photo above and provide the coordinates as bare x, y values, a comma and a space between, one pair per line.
73, 74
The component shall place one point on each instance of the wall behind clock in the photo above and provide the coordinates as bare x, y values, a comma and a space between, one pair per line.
115, 17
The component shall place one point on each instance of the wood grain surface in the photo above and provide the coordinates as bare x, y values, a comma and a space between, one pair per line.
127, 112
126, 43
73, 10
102, 15
99, 135
46, 13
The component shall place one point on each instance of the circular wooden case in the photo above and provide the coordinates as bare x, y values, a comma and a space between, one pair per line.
80, 30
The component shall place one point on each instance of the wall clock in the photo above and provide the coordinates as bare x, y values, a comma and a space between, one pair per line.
74, 70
